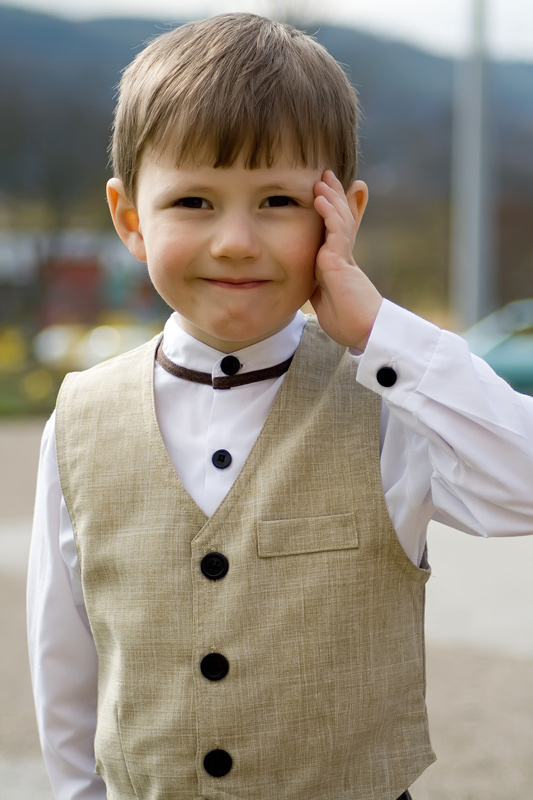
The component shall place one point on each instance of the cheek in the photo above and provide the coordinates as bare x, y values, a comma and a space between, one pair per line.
314, 236
301, 253
168, 255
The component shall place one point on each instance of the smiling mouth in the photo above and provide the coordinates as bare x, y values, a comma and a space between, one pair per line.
229, 283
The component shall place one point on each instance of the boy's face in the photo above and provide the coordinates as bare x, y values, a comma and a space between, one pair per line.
232, 250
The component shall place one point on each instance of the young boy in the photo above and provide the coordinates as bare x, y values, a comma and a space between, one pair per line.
228, 564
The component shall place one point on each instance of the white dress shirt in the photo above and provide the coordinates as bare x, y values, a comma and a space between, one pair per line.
456, 446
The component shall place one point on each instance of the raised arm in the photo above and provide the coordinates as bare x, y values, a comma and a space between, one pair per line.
457, 441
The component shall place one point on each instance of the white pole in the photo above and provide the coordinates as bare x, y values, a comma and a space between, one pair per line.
472, 292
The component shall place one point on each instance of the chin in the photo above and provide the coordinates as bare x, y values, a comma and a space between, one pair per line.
233, 331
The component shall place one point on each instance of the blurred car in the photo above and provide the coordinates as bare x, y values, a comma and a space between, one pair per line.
504, 340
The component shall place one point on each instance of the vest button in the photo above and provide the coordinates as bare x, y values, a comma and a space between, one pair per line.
218, 763
214, 566
386, 376
214, 667
230, 365
221, 459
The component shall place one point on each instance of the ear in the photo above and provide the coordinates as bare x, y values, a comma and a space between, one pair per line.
125, 218
357, 196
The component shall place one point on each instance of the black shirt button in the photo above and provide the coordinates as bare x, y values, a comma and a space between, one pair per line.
386, 376
214, 667
214, 566
218, 763
230, 365
221, 459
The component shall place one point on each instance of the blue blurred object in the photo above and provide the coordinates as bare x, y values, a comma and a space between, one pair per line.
504, 340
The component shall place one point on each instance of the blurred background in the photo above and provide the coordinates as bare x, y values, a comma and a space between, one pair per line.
447, 95
446, 88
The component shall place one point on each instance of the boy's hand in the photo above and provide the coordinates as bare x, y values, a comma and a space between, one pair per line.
345, 300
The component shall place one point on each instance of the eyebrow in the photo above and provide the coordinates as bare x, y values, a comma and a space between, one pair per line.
287, 188
185, 188
278, 184
272, 188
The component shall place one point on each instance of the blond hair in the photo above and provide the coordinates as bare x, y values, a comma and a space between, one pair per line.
232, 84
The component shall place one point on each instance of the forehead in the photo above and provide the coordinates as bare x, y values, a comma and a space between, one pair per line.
255, 148
163, 169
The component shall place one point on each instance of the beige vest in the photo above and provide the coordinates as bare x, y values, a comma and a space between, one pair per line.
320, 615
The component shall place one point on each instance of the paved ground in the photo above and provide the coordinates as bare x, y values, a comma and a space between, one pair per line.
480, 653
22, 774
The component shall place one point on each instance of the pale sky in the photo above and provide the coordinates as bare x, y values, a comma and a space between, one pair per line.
439, 25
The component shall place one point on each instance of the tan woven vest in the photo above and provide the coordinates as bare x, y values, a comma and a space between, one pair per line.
320, 614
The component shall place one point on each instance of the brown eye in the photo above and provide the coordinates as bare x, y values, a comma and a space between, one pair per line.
191, 202
279, 201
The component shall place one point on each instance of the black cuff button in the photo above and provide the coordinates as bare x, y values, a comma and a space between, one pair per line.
218, 763
386, 376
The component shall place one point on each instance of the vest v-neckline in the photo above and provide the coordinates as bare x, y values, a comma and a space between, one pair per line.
301, 357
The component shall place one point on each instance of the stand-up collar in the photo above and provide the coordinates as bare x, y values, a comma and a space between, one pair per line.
183, 349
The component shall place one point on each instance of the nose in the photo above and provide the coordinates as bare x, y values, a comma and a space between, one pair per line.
235, 238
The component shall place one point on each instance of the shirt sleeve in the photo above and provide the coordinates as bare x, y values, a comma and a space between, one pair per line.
63, 658
456, 438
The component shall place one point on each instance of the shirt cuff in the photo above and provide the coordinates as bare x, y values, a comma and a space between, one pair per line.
398, 353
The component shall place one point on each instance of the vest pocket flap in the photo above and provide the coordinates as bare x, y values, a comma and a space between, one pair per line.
288, 537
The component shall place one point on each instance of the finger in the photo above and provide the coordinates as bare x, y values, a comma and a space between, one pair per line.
334, 193
333, 183
337, 216
339, 239
333, 220
330, 183
329, 177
